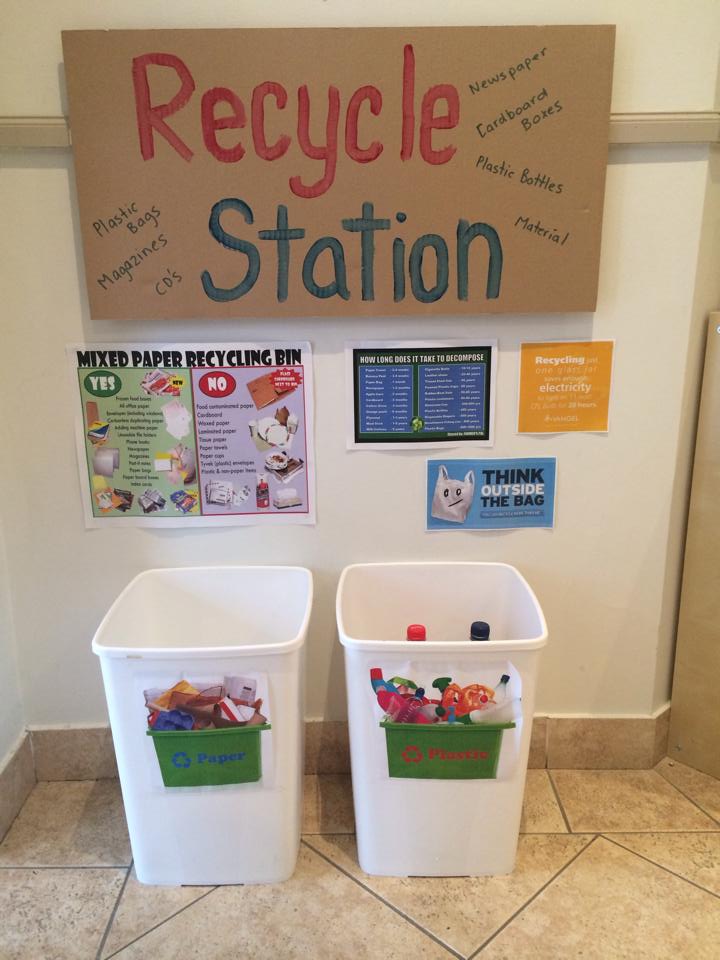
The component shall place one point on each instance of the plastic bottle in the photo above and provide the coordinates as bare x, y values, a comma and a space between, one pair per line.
262, 492
399, 709
378, 682
429, 711
391, 704
416, 631
503, 711
409, 710
479, 630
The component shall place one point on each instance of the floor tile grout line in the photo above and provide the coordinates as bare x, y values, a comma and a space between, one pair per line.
524, 833
654, 863
690, 799
328, 833
160, 924
391, 906
527, 903
113, 913
560, 833
650, 830
64, 866
78, 780
559, 801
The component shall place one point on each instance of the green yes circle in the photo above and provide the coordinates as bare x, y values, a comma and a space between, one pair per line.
102, 383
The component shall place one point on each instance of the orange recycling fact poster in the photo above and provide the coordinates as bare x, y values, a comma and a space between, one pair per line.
565, 386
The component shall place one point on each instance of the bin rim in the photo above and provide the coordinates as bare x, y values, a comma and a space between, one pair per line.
437, 727
202, 653
214, 731
393, 645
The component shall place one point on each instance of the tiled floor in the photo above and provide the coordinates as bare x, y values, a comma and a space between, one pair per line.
611, 865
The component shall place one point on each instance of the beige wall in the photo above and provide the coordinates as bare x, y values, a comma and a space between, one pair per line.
12, 714
607, 576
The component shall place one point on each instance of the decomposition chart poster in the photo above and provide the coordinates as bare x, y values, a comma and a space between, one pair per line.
420, 393
204, 434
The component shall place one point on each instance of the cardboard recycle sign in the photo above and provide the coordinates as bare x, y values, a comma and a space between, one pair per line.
343, 172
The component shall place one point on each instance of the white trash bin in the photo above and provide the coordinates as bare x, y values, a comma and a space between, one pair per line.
439, 799
210, 806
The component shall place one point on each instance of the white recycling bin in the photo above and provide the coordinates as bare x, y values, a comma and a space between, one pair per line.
203, 674
439, 798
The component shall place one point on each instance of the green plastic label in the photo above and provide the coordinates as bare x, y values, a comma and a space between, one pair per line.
443, 752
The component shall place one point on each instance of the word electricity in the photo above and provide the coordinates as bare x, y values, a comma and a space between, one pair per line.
417, 265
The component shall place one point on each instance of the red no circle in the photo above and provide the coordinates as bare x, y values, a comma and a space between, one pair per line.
217, 384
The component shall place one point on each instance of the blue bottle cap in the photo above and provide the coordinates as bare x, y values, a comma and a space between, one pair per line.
479, 630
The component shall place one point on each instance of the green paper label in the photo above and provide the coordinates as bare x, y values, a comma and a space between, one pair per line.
209, 757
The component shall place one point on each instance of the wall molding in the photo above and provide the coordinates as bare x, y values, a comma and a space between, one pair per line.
17, 778
692, 126
34, 132
689, 126
576, 743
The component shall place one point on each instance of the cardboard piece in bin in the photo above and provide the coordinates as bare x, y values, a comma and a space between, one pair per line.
454, 751
200, 758
163, 701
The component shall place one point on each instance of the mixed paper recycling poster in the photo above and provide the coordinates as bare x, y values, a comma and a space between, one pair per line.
484, 494
420, 393
205, 434
340, 172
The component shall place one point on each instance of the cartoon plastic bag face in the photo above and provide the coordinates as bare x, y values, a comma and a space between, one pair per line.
453, 498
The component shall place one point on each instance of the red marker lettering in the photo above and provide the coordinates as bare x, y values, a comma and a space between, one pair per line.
355, 152
151, 118
444, 121
328, 153
211, 123
264, 150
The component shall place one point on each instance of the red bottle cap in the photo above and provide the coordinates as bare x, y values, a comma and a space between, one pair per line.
416, 631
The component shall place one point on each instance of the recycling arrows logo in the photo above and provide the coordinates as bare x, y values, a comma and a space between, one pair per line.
181, 760
412, 754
